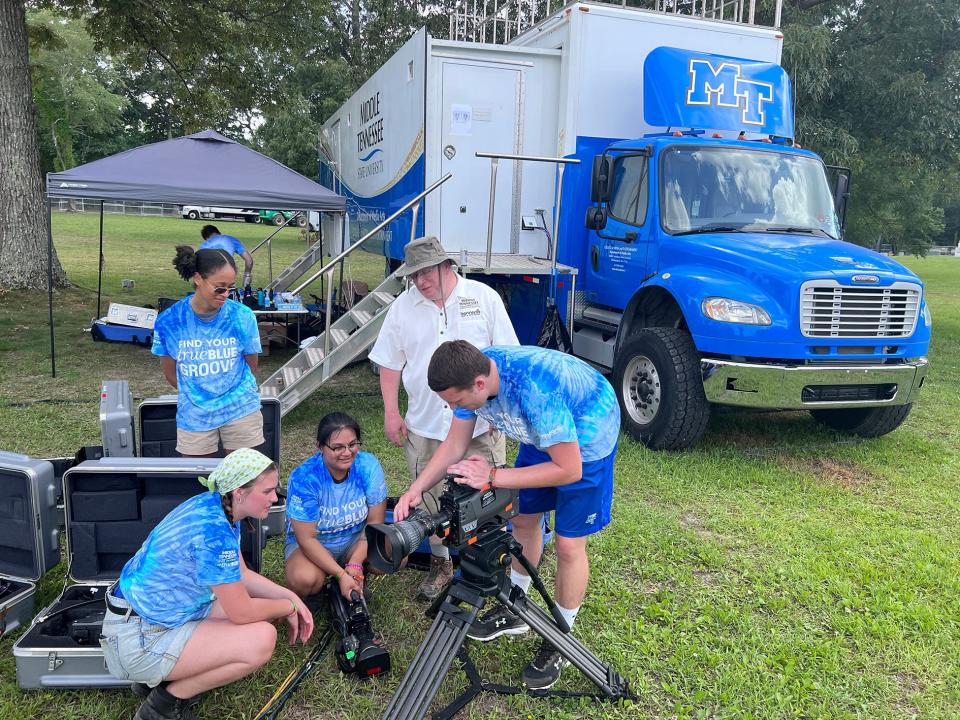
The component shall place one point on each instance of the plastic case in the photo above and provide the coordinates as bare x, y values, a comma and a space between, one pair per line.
157, 426
29, 536
116, 419
112, 504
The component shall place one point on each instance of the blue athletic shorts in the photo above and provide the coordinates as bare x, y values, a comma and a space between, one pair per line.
581, 508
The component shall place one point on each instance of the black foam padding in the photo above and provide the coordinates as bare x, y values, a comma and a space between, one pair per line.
101, 482
104, 506
184, 486
159, 448
83, 550
154, 508
60, 630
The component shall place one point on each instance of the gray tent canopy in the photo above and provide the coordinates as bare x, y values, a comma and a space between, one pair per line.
205, 168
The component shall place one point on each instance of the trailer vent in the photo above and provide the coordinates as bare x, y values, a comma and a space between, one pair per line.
831, 310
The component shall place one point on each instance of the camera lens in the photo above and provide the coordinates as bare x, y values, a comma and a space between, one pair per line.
390, 544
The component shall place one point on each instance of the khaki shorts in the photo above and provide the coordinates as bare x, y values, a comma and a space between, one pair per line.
490, 445
245, 432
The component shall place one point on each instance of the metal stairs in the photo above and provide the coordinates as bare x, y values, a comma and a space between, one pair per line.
346, 340
297, 268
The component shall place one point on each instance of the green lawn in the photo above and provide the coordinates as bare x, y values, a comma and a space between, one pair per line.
777, 570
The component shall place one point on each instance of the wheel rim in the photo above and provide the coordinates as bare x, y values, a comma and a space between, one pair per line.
641, 389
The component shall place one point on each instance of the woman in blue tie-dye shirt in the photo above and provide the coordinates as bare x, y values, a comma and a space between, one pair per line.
330, 499
209, 350
187, 615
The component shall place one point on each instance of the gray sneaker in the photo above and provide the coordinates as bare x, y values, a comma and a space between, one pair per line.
496, 622
545, 668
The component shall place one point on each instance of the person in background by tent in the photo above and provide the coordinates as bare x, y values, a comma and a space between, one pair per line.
209, 350
187, 615
213, 239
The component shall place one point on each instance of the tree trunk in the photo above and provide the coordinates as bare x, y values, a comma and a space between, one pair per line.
23, 215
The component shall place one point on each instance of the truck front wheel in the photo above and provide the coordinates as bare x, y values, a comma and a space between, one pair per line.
656, 376
865, 422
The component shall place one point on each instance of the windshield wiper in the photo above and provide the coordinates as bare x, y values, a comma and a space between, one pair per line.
711, 228
791, 229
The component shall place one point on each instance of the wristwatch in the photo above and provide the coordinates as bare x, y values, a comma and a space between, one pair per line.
492, 476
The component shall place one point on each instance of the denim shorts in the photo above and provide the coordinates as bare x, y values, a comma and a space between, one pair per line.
140, 651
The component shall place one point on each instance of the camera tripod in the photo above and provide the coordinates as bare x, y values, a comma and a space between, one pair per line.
483, 568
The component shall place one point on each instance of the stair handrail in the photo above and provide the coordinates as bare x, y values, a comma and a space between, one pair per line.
268, 241
331, 265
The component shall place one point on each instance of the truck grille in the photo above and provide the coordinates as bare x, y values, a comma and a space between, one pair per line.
831, 310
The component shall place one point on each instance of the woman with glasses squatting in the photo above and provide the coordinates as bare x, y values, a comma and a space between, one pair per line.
330, 499
209, 348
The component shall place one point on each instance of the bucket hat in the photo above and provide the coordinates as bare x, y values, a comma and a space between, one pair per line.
422, 253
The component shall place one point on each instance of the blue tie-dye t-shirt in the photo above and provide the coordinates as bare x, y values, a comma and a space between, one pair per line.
168, 582
215, 384
547, 397
223, 242
338, 509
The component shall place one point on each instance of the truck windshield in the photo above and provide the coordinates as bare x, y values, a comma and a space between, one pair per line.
737, 190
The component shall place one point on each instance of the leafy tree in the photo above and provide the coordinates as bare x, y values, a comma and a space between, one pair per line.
877, 89
72, 89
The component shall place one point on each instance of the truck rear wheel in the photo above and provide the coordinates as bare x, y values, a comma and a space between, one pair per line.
278, 219
865, 422
301, 221
193, 215
656, 376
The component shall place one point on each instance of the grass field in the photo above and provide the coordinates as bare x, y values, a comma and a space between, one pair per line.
777, 570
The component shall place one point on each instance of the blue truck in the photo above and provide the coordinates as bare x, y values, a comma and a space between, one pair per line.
699, 250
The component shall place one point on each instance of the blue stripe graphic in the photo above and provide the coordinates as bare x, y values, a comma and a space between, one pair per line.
372, 153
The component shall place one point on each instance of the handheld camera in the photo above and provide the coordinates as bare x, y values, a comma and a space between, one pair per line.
359, 650
465, 516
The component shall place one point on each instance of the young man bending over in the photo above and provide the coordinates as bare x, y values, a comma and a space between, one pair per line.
566, 418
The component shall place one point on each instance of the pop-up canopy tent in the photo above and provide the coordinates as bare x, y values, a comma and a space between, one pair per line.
205, 168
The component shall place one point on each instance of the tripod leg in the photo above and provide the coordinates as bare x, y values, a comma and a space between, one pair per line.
442, 643
609, 681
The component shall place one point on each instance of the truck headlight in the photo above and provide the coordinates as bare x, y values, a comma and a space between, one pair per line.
927, 316
734, 311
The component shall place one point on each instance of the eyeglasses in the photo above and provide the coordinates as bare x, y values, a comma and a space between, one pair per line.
421, 274
337, 449
224, 290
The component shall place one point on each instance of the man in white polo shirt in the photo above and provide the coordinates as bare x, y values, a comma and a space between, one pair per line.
438, 306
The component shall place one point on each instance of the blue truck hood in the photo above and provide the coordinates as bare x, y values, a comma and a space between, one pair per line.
790, 255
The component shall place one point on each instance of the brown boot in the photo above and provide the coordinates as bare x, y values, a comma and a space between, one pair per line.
441, 573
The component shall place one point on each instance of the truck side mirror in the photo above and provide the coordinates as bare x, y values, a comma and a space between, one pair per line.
841, 192
600, 179
596, 217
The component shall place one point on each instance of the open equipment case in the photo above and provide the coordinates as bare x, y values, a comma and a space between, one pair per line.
29, 534
157, 430
111, 506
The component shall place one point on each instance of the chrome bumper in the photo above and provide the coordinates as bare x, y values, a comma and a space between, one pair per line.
781, 386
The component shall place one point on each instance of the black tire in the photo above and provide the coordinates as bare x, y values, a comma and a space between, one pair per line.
278, 219
251, 218
301, 221
865, 422
656, 376
193, 215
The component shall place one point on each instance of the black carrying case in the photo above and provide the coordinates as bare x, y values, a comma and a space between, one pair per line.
29, 534
157, 430
111, 506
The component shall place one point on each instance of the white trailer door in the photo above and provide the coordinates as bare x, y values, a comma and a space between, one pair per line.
480, 112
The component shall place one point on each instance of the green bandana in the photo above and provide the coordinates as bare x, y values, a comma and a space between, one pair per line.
236, 470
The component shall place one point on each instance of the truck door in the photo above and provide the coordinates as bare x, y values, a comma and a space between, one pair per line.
620, 253
480, 112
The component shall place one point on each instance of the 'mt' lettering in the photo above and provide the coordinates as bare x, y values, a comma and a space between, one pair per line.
723, 86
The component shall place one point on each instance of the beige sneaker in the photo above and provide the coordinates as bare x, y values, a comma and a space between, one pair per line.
441, 573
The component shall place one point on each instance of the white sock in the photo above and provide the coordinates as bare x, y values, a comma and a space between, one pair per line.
521, 581
440, 550
568, 614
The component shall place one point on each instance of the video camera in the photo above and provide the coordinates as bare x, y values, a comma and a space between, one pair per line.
465, 515
359, 650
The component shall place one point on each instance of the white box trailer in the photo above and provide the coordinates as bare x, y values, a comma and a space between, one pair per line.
575, 77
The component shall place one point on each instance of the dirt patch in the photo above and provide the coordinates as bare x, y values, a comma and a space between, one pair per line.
707, 577
837, 472
693, 522
908, 685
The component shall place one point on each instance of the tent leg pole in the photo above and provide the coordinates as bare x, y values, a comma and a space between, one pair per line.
53, 353
100, 263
